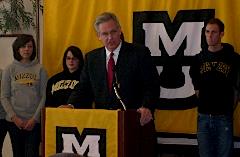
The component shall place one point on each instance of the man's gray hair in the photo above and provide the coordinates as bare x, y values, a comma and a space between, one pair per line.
104, 17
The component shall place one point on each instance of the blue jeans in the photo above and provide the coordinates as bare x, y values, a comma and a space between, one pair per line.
215, 135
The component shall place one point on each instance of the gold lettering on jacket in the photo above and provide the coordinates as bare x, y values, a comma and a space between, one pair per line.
215, 66
26, 78
64, 84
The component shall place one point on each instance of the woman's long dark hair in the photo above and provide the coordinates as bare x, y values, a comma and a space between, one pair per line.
76, 52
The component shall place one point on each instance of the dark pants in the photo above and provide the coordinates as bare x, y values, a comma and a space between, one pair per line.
148, 140
25, 143
3, 132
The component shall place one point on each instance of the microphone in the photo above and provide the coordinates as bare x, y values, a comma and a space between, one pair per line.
116, 86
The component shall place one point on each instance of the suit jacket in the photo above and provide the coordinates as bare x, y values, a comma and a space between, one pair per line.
138, 78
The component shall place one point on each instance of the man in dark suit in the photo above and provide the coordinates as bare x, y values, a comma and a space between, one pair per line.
131, 70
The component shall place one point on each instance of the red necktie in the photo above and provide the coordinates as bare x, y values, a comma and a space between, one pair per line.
111, 65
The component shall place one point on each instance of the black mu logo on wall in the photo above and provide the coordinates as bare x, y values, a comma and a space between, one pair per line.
173, 45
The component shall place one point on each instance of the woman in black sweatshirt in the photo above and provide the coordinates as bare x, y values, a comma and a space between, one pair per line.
60, 86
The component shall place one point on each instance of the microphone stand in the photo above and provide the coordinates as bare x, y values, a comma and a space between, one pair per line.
116, 86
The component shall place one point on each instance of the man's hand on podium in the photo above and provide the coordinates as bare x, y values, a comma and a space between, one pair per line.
66, 106
146, 115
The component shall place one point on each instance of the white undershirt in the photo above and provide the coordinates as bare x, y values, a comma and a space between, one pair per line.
115, 56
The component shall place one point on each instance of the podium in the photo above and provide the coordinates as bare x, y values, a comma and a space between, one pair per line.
129, 136
91, 132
